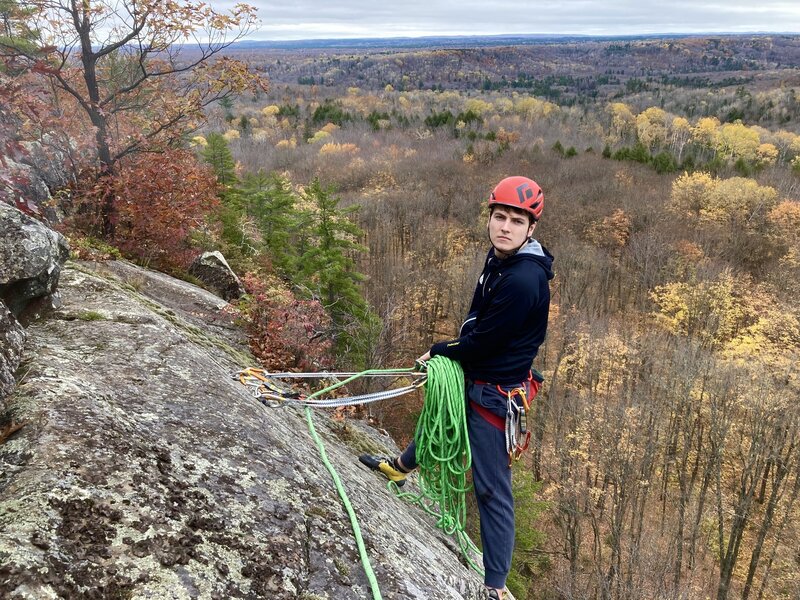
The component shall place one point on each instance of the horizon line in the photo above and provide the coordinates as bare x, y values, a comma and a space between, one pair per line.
522, 35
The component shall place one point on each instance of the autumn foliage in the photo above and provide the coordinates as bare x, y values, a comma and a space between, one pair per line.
286, 332
159, 202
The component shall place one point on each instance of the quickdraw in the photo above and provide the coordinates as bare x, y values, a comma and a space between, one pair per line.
516, 423
273, 393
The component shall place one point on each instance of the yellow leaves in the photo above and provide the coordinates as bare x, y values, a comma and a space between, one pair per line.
319, 136
767, 154
623, 123
681, 124
736, 140
720, 200
330, 127
740, 197
199, 140
714, 310
771, 339
231, 134
651, 126
504, 105
270, 111
260, 135
597, 362
479, 107
690, 191
389, 88
705, 131
333, 148
532, 109
287, 144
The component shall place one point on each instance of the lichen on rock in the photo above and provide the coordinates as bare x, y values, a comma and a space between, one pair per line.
146, 471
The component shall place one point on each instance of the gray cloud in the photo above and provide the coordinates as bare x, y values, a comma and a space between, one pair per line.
301, 19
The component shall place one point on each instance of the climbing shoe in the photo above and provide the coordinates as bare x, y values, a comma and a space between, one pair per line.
492, 595
387, 466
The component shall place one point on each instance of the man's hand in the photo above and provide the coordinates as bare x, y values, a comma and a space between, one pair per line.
422, 361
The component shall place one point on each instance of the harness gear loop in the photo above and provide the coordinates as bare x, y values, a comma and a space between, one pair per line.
516, 425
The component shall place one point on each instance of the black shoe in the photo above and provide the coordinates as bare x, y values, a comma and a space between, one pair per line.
492, 594
386, 466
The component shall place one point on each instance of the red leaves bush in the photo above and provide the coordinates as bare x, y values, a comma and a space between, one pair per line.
158, 202
286, 333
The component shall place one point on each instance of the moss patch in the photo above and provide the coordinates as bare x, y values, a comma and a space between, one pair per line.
91, 315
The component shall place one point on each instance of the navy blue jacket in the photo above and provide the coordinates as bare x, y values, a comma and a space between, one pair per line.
507, 319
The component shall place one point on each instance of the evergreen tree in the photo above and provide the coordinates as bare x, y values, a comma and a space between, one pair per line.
17, 38
218, 155
270, 201
329, 269
237, 245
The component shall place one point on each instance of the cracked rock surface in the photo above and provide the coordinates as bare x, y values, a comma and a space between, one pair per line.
144, 470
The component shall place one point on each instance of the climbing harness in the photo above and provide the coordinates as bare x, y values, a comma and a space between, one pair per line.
515, 424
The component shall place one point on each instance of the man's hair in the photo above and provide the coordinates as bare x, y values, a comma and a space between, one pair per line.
513, 209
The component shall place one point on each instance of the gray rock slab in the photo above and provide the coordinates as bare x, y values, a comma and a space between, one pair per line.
12, 340
145, 470
31, 256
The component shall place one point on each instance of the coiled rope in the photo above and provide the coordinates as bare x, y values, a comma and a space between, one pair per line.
443, 454
443, 451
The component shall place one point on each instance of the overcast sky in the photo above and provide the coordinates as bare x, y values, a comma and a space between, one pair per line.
308, 19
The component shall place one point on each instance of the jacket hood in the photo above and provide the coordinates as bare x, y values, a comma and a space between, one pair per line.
534, 251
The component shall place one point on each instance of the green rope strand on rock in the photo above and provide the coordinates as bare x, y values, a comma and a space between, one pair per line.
443, 453
362, 551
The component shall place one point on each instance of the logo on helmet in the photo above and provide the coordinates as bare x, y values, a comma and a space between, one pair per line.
524, 192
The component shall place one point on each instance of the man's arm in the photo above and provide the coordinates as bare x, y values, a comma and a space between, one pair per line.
507, 312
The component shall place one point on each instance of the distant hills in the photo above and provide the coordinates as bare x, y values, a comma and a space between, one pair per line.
465, 41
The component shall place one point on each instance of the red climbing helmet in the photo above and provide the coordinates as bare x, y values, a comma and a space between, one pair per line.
519, 192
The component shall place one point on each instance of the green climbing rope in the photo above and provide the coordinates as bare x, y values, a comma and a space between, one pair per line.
362, 551
443, 453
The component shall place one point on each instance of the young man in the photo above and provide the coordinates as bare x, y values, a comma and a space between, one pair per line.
498, 341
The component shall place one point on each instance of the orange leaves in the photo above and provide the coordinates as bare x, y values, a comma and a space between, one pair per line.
285, 332
158, 202
612, 232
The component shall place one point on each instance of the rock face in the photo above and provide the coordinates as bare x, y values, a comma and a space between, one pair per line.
29, 170
31, 256
12, 339
213, 270
145, 470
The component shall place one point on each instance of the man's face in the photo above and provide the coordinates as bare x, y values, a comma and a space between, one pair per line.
508, 229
